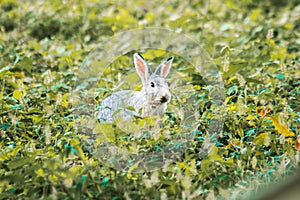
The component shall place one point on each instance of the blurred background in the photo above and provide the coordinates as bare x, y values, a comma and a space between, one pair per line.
255, 45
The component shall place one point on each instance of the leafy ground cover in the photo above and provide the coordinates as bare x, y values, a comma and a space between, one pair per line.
43, 44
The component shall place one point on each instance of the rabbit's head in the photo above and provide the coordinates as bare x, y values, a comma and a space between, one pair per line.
155, 87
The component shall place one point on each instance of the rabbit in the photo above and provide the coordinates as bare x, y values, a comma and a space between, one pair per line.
152, 100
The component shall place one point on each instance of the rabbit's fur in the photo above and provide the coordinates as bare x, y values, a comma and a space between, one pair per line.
152, 100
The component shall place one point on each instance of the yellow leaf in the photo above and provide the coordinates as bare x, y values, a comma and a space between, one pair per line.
40, 172
64, 101
79, 152
289, 140
36, 118
262, 139
251, 119
64, 104
53, 178
76, 170
190, 168
17, 94
2, 92
20, 75
288, 26
282, 128
228, 99
105, 132
255, 14
214, 156
232, 107
149, 17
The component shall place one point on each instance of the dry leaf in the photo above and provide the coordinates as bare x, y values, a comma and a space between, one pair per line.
297, 143
262, 111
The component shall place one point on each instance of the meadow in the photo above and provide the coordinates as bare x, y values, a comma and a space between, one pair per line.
231, 130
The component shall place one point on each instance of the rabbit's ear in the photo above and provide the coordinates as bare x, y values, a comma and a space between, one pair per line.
164, 68
141, 67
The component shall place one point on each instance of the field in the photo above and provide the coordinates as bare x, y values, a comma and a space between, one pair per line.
231, 129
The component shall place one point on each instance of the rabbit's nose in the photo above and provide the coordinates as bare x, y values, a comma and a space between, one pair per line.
164, 99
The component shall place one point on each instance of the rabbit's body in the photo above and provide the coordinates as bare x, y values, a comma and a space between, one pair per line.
123, 104
152, 100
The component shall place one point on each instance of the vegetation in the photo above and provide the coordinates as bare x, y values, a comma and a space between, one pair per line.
50, 150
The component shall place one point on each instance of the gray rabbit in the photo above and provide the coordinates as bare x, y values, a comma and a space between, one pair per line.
152, 100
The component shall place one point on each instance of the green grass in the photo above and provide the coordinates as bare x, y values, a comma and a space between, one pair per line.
46, 154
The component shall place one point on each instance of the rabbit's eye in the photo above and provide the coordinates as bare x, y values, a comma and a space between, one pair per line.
152, 84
